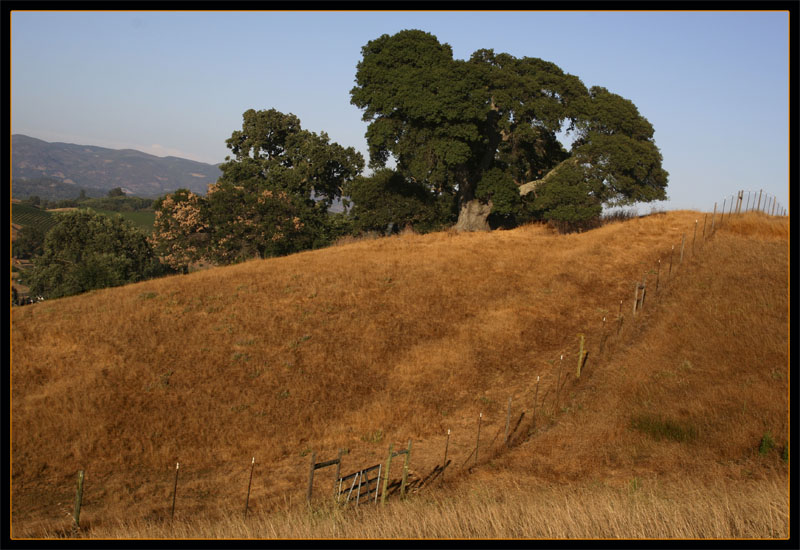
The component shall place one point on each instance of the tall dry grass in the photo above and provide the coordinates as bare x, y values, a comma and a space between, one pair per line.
375, 342
504, 510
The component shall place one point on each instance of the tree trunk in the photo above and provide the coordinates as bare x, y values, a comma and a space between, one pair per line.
473, 216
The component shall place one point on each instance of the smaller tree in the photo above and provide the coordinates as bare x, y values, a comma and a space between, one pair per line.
29, 242
116, 192
86, 251
180, 234
387, 199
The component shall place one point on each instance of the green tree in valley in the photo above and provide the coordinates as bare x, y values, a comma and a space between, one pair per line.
86, 251
476, 130
29, 242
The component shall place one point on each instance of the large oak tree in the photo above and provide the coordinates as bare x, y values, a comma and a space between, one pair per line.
484, 131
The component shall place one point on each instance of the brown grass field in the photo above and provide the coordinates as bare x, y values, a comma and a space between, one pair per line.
677, 428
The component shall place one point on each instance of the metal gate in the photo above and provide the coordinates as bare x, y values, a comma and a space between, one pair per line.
361, 483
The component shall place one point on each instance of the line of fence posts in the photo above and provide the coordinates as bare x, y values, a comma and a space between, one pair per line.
770, 204
582, 354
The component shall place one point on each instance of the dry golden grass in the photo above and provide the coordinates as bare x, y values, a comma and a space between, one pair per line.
505, 510
378, 341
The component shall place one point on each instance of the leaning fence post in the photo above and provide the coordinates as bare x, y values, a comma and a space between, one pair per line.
635, 296
249, 484
444, 464
535, 401
694, 236
405, 471
683, 242
386, 477
713, 217
722, 214
175, 489
581, 355
78, 498
558, 382
311, 477
759, 199
671, 252
703, 237
658, 273
478, 441
508, 420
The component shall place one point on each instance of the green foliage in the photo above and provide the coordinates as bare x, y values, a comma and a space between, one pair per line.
498, 187
387, 198
116, 192
664, 428
766, 445
478, 129
29, 242
272, 198
87, 251
179, 234
567, 199
25, 214
118, 203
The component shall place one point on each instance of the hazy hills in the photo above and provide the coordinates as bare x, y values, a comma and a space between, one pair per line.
98, 169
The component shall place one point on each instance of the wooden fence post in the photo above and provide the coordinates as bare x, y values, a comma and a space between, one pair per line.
249, 484
722, 214
713, 217
508, 420
703, 237
683, 242
478, 441
175, 490
581, 355
644, 291
658, 273
558, 383
759, 199
76, 515
444, 464
311, 477
386, 479
535, 401
405, 471
671, 252
635, 296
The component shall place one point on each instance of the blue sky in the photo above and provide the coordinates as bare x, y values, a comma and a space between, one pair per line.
715, 85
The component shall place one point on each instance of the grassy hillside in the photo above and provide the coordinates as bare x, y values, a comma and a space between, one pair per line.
376, 342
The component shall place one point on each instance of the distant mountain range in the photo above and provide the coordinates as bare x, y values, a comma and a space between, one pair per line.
66, 166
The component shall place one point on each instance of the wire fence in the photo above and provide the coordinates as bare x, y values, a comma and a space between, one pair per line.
593, 342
